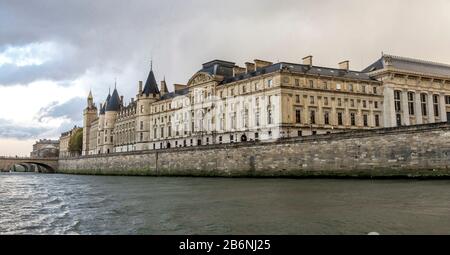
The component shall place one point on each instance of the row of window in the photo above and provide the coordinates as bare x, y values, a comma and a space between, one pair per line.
339, 101
350, 87
340, 120
423, 103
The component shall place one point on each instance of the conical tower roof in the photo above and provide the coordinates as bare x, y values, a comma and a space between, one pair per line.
151, 87
113, 102
103, 108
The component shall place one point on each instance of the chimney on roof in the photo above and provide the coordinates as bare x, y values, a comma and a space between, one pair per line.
261, 63
140, 87
250, 67
307, 60
179, 87
237, 70
344, 65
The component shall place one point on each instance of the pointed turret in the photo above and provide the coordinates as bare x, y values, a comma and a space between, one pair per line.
151, 87
103, 107
113, 102
164, 89
90, 100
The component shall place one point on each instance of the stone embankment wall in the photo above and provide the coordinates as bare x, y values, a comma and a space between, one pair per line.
414, 151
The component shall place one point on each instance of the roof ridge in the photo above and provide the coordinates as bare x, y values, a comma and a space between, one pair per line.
322, 67
416, 60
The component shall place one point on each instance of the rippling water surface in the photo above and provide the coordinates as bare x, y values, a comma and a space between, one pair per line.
71, 204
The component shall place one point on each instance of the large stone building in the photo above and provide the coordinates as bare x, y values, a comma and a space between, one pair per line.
225, 103
64, 141
415, 91
45, 148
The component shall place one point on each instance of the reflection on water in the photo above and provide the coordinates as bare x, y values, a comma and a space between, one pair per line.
71, 204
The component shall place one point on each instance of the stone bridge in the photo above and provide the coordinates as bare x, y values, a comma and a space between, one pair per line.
44, 165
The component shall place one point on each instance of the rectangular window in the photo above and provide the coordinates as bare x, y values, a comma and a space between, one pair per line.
377, 120
142, 125
326, 117
447, 99
338, 86
352, 119
325, 100
311, 84
375, 104
423, 100
311, 99
297, 99
269, 117
436, 105
352, 103
325, 85
313, 117
299, 133
298, 118
257, 118
339, 102
340, 120
141, 137
411, 108
364, 104
297, 82
374, 89
363, 88
350, 87
162, 132
365, 120
269, 83
397, 103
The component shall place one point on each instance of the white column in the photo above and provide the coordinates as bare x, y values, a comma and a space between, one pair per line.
388, 107
442, 108
405, 108
431, 117
419, 119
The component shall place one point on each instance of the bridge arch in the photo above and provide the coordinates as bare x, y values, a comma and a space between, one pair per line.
44, 168
45, 165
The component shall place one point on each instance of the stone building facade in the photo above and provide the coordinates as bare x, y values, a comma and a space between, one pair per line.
45, 148
415, 91
264, 101
64, 151
225, 103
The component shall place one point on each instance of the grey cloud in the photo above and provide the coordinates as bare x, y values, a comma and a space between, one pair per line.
9, 130
115, 38
72, 109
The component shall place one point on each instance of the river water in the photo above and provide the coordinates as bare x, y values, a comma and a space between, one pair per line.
71, 204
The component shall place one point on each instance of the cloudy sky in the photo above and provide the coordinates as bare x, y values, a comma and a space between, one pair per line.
52, 52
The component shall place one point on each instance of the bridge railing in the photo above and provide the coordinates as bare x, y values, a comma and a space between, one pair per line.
26, 158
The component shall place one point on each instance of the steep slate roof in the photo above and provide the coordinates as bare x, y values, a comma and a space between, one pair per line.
303, 69
103, 108
409, 64
151, 87
175, 93
114, 102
